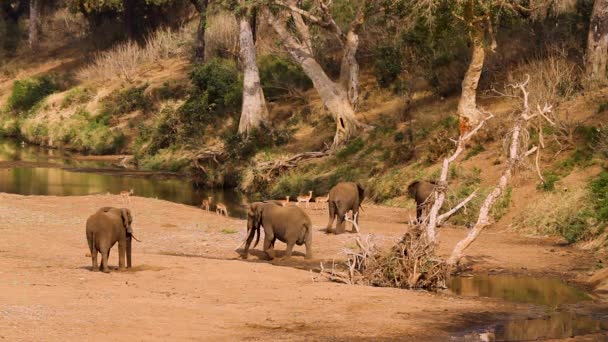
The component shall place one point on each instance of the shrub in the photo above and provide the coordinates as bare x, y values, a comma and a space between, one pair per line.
351, 148
77, 95
599, 196
28, 92
220, 80
281, 77
388, 64
128, 100
162, 133
549, 183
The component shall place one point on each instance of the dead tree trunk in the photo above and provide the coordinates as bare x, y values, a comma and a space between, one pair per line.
516, 156
468, 114
34, 29
597, 43
254, 113
199, 44
334, 96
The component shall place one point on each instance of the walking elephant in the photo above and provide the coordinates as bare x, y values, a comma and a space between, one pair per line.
287, 224
343, 197
103, 229
422, 193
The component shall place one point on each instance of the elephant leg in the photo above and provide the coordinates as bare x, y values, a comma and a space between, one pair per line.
332, 216
340, 225
248, 243
105, 255
289, 249
94, 266
269, 248
308, 244
121, 255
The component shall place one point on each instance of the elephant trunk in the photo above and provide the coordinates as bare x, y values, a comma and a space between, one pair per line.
129, 241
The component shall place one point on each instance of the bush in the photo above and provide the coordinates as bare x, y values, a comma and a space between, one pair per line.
220, 80
351, 148
77, 95
281, 77
241, 147
128, 100
28, 92
599, 196
388, 65
162, 133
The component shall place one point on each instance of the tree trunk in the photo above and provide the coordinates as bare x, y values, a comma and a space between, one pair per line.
128, 16
254, 112
468, 114
34, 29
349, 70
597, 43
199, 44
334, 97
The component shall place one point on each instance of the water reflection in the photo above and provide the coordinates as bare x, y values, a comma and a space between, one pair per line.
66, 180
544, 291
559, 325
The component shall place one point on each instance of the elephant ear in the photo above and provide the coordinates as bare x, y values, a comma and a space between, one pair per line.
257, 217
412, 189
361, 191
127, 219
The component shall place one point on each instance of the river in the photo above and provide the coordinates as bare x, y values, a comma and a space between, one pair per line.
33, 170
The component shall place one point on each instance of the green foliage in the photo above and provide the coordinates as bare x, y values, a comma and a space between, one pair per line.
387, 66
281, 76
549, 183
93, 135
77, 95
28, 92
501, 207
170, 90
599, 196
477, 149
351, 148
219, 79
242, 147
166, 160
128, 100
160, 134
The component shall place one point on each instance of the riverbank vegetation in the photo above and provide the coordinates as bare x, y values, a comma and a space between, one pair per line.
220, 91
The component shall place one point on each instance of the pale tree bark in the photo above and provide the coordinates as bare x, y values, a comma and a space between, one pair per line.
254, 113
516, 156
34, 29
334, 96
349, 68
597, 43
199, 44
468, 113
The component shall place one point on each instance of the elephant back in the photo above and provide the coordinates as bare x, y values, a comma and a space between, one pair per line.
347, 193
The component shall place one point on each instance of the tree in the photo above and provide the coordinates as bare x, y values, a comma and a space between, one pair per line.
597, 43
10, 12
34, 29
128, 18
199, 44
254, 113
340, 98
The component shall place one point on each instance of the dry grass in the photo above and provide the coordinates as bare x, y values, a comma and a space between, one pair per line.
549, 211
221, 36
124, 59
553, 79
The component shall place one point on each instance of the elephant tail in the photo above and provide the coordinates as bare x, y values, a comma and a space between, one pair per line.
91, 241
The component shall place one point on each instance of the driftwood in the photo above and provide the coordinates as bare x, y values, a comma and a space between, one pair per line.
274, 168
409, 264
201, 156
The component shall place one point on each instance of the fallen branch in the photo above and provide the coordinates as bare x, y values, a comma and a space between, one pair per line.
215, 155
453, 211
274, 168
353, 221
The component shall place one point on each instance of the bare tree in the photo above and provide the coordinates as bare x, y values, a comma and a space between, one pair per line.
516, 157
340, 98
34, 29
254, 113
597, 43
199, 44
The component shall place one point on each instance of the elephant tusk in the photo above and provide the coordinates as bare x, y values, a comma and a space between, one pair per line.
136, 239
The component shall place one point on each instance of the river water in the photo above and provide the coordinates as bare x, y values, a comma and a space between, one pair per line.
32, 170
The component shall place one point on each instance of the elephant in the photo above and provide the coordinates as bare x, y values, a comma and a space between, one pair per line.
287, 224
103, 229
422, 193
343, 197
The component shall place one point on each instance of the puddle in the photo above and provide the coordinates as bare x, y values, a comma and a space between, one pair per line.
548, 292
559, 325
540, 291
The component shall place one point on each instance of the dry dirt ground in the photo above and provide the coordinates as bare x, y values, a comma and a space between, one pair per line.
189, 284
